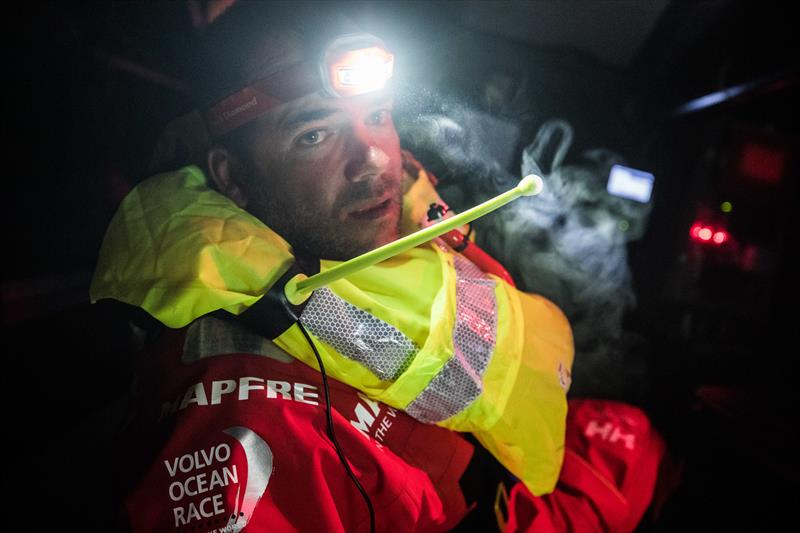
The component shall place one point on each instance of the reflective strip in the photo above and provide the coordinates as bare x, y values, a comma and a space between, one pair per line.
358, 335
460, 380
209, 336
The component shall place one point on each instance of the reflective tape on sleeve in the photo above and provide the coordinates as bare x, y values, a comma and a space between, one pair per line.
358, 335
460, 381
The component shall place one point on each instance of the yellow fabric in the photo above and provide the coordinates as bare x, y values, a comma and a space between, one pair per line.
528, 435
180, 250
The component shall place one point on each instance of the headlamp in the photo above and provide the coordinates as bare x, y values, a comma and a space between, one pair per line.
350, 65
355, 64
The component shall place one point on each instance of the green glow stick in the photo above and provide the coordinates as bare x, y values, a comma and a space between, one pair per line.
300, 287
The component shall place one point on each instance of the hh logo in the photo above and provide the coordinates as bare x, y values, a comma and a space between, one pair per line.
609, 432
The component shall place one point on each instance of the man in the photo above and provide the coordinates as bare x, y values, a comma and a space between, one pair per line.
237, 424
339, 165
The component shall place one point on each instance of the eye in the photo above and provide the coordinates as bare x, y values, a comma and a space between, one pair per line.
379, 117
313, 137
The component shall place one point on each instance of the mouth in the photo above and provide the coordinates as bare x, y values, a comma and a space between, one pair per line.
372, 211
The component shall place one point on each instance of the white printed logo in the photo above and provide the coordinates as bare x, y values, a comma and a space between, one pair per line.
199, 479
259, 469
610, 432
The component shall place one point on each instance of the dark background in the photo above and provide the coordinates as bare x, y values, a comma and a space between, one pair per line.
89, 87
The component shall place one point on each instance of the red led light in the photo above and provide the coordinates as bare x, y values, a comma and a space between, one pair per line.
719, 237
703, 233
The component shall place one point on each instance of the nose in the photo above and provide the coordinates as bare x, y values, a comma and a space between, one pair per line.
377, 158
366, 159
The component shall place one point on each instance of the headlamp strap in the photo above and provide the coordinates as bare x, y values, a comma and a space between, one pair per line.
259, 97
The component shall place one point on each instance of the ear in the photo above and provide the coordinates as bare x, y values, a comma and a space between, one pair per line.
222, 166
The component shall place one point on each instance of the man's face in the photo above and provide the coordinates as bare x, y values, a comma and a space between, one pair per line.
325, 174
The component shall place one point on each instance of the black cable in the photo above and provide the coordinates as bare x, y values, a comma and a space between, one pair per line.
332, 434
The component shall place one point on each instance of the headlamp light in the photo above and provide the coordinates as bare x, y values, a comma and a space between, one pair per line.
355, 64
350, 65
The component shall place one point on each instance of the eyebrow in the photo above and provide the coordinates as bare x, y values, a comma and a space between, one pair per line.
293, 120
379, 99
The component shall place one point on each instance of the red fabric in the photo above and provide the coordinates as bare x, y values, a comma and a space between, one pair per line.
608, 477
194, 474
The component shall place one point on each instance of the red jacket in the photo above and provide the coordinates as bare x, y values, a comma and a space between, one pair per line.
225, 439
230, 431
608, 478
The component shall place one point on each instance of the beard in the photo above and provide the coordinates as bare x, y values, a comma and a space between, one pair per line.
316, 235
312, 237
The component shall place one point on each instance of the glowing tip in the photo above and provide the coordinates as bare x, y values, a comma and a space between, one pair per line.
530, 185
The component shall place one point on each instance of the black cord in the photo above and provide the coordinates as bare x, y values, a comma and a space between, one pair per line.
332, 434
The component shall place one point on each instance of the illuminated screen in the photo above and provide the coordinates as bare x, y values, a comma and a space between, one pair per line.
630, 183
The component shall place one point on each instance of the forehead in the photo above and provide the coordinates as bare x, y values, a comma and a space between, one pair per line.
316, 107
